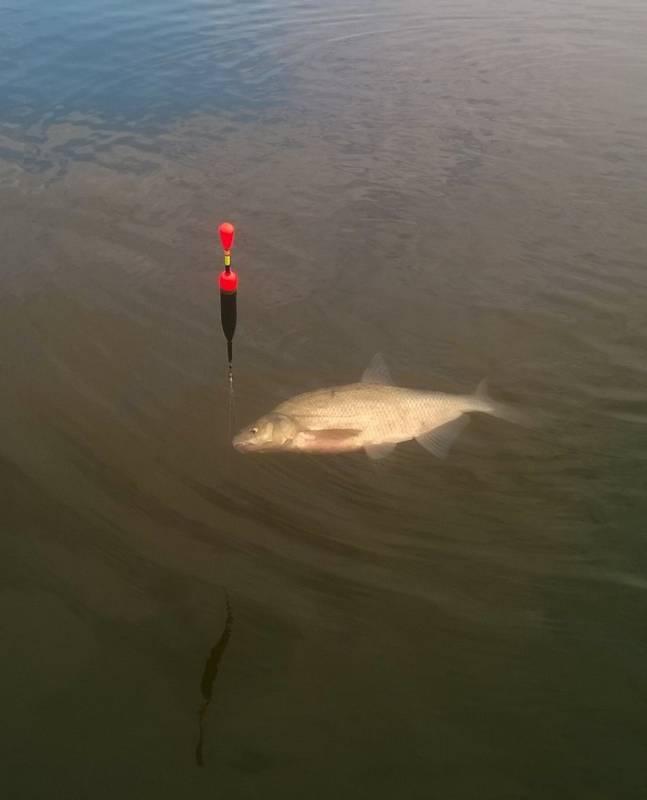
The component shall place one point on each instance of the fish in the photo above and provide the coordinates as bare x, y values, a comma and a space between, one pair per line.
373, 415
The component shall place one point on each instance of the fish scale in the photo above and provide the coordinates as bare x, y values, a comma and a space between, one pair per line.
385, 413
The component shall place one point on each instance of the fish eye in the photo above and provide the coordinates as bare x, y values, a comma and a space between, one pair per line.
254, 429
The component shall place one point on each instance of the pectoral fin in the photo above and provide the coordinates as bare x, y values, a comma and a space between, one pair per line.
332, 434
439, 440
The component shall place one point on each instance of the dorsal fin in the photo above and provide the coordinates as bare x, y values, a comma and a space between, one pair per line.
377, 371
482, 390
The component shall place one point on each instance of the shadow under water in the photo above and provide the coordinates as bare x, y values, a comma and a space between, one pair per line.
209, 676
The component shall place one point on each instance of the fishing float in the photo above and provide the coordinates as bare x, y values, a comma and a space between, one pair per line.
228, 283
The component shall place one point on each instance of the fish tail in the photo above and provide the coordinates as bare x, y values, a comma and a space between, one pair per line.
487, 405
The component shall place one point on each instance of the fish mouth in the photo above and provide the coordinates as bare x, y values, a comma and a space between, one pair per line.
245, 446
241, 445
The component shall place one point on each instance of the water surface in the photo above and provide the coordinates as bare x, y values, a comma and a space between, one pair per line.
460, 185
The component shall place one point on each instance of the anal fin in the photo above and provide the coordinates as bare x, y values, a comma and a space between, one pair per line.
439, 440
377, 451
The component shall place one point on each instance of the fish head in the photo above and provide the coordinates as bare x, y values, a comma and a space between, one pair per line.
271, 432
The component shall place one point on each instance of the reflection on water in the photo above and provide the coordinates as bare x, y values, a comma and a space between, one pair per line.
458, 184
209, 676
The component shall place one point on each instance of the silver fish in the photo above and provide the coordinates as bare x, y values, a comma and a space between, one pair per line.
373, 415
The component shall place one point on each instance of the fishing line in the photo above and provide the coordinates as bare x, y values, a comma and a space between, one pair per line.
231, 404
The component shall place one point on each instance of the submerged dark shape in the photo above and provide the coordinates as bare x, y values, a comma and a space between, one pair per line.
209, 676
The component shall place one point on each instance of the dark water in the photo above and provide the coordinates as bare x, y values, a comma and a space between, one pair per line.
458, 184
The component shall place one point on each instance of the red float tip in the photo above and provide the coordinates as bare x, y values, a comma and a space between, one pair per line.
226, 231
228, 282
